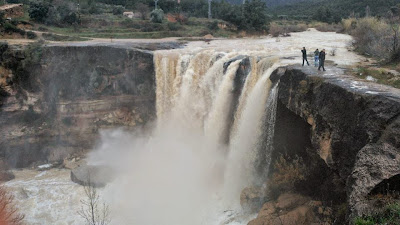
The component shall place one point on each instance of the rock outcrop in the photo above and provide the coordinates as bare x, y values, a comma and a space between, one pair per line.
54, 98
354, 128
293, 209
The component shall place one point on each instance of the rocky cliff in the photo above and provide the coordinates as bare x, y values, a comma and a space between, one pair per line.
345, 130
55, 98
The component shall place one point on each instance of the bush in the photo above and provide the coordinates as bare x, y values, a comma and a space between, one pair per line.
390, 215
213, 25
9, 214
373, 37
143, 9
2, 20
118, 10
157, 16
31, 35
11, 28
325, 27
174, 26
93, 9
275, 30
38, 11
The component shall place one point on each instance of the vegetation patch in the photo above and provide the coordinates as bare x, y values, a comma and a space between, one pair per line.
381, 76
389, 215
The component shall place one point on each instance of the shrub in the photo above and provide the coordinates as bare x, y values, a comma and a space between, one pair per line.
157, 16
275, 30
8, 212
373, 37
389, 215
11, 28
213, 25
118, 10
93, 9
2, 20
174, 26
31, 35
143, 9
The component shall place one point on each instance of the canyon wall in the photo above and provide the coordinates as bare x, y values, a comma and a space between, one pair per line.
55, 99
353, 128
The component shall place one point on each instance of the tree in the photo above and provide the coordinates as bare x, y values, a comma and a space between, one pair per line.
157, 16
155, 4
209, 9
38, 11
367, 11
93, 211
9, 214
254, 14
143, 9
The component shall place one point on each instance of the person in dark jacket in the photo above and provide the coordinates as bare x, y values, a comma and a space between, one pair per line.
322, 60
304, 51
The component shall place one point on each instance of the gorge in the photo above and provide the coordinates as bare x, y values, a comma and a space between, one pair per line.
187, 128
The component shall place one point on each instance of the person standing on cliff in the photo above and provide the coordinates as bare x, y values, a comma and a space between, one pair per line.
322, 60
316, 58
304, 51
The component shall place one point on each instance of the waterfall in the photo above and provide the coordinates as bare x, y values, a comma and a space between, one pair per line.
240, 166
213, 122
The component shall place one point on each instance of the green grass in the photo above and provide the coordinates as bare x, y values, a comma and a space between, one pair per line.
56, 37
381, 75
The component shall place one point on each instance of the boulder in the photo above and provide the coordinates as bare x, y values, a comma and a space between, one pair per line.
252, 198
290, 201
290, 209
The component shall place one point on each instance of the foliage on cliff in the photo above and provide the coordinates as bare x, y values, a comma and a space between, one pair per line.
389, 215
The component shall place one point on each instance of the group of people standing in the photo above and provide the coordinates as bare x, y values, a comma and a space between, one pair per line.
319, 58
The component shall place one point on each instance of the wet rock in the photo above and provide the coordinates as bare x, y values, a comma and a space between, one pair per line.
96, 176
288, 209
6, 175
289, 201
103, 79
354, 129
71, 163
375, 163
252, 198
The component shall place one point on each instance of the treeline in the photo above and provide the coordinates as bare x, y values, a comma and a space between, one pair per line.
251, 16
332, 11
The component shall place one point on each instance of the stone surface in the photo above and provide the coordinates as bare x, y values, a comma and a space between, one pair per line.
289, 201
252, 198
288, 209
354, 126
73, 91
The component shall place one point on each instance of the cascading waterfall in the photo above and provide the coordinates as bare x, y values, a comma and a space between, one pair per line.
204, 150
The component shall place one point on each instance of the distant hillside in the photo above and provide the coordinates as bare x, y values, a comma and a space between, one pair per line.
271, 3
335, 8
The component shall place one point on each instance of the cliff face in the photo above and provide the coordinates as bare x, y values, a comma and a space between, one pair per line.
54, 99
354, 128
